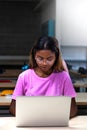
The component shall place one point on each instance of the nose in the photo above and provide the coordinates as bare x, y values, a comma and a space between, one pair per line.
45, 62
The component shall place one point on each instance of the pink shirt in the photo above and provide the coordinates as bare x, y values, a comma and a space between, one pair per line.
57, 84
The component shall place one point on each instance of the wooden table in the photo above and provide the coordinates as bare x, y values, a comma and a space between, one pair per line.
77, 123
5, 100
81, 99
81, 84
8, 85
80, 80
10, 73
76, 74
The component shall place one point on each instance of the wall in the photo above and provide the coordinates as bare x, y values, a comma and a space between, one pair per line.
72, 19
48, 10
74, 55
19, 27
71, 29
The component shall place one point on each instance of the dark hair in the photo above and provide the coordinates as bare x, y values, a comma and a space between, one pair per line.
46, 43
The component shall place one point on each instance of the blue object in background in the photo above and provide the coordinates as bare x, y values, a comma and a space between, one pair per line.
25, 67
51, 28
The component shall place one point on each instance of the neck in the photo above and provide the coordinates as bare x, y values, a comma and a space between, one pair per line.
41, 73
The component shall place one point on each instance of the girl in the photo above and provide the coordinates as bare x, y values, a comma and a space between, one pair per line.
46, 75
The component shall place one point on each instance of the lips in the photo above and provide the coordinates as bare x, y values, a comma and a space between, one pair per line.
44, 67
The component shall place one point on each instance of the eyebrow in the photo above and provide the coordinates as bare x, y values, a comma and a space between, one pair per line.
43, 57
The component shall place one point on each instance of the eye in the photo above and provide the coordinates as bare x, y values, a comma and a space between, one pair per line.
50, 58
39, 58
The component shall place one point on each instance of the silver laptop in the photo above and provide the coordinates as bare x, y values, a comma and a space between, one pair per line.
42, 111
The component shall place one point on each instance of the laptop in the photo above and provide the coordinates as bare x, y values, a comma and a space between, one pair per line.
42, 111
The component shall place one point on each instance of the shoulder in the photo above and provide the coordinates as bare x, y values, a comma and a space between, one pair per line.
62, 74
26, 73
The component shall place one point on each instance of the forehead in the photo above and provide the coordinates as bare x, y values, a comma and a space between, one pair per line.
45, 53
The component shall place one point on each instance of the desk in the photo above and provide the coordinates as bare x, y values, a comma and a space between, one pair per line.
81, 81
77, 74
82, 84
81, 98
8, 85
5, 100
77, 123
11, 73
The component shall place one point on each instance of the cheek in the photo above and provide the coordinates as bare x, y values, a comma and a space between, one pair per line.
37, 63
51, 65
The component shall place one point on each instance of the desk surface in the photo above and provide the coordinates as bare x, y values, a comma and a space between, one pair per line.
8, 85
76, 74
5, 100
81, 83
77, 123
11, 73
81, 99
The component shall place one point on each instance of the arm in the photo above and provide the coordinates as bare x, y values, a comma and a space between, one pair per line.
18, 91
12, 108
73, 111
69, 90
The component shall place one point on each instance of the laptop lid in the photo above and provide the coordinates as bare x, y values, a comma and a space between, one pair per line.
42, 111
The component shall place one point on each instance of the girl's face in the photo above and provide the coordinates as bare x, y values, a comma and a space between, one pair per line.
45, 59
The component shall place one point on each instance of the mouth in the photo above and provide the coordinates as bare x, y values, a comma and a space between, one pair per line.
44, 67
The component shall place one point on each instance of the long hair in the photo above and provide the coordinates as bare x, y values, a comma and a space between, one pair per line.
46, 43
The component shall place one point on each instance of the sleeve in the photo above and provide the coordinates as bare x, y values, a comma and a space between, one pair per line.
68, 87
18, 91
